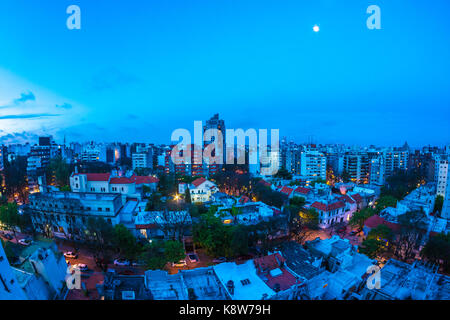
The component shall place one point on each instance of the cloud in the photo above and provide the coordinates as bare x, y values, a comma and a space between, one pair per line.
111, 78
18, 137
28, 116
64, 106
24, 97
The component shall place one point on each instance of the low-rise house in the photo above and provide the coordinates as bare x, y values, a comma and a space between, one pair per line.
331, 212
347, 269
65, 214
128, 186
40, 276
242, 281
375, 220
201, 190
301, 262
124, 287
248, 214
303, 192
272, 270
163, 224
287, 191
403, 281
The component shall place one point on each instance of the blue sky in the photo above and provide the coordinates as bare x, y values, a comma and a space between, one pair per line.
137, 70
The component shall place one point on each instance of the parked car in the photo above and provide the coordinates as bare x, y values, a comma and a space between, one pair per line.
180, 263
121, 262
8, 236
81, 266
70, 254
220, 260
192, 257
25, 242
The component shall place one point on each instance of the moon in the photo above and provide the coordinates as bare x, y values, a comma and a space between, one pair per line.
316, 28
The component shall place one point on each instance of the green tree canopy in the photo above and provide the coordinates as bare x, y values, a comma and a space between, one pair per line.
174, 251
358, 218
384, 202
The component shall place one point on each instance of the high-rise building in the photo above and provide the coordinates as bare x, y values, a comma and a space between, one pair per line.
142, 158
446, 207
356, 164
376, 171
313, 165
214, 123
441, 174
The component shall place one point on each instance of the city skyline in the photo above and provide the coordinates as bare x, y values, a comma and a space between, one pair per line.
144, 70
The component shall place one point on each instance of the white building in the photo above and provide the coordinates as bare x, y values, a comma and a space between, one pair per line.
41, 276
66, 213
201, 190
248, 213
441, 175
446, 207
242, 281
128, 187
313, 165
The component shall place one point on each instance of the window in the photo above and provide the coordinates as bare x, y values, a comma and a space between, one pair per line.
100, 209
245, 282
107, 209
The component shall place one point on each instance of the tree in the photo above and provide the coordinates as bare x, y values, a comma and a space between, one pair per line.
58, 172
402, 182
437, 251
154, 202
174, 251
268, 196
297, 201
210, 233
371, 247
126, 242
153, 256
284, 174
359, 217
303, 224
438, 203
408, 238
100, 236
15, 178
239, 240
9, 216
384, 202
187, 196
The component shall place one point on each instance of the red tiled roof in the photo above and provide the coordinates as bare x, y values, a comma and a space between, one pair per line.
267, 263
346, 198
98, 176
146, 179
122, 180
287, 190
357, 197
198, 182
375, 220
302, 190
285, 280
244, 199
264, 183
332, 206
